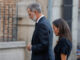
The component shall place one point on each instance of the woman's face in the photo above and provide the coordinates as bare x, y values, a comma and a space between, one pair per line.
56, 30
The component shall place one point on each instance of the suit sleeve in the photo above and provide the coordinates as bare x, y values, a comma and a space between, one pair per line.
43, 35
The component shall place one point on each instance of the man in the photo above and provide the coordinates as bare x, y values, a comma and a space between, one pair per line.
41, 44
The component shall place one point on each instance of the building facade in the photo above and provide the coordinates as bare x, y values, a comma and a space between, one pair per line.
22, 35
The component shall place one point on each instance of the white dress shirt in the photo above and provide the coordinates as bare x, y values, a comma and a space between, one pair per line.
40, 18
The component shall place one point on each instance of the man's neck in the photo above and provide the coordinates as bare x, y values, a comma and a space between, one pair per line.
38, 16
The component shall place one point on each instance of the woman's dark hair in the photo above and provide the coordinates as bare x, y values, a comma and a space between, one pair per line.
64, 30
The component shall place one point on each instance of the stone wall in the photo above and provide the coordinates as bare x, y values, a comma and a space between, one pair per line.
12, 50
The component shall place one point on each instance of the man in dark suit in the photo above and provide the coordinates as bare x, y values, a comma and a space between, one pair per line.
42, 39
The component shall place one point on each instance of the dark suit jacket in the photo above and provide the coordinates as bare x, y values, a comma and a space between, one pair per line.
42, 41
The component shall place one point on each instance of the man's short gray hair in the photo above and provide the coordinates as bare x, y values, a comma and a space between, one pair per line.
34, 7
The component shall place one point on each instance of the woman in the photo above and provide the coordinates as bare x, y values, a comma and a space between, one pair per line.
64, 45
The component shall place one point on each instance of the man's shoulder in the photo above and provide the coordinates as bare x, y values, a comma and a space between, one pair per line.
44, 22
42, 19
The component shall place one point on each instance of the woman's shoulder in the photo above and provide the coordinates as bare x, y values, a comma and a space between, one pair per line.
66, 45
65, 41
62, 39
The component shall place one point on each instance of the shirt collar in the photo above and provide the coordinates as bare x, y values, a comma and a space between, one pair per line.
40, 18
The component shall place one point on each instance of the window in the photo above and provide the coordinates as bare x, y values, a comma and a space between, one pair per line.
8, 21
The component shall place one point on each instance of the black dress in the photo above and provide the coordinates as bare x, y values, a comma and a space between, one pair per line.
63, 46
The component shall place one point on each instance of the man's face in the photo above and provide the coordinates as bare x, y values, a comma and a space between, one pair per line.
31, 14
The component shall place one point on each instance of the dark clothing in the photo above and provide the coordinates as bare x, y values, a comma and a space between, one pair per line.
63, 46
42, 41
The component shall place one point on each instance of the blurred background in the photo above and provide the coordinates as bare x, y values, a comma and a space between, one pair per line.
16, 28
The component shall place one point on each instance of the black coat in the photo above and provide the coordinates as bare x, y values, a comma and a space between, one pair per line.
42, 41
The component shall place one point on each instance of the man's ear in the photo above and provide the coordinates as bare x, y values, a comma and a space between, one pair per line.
35, 11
